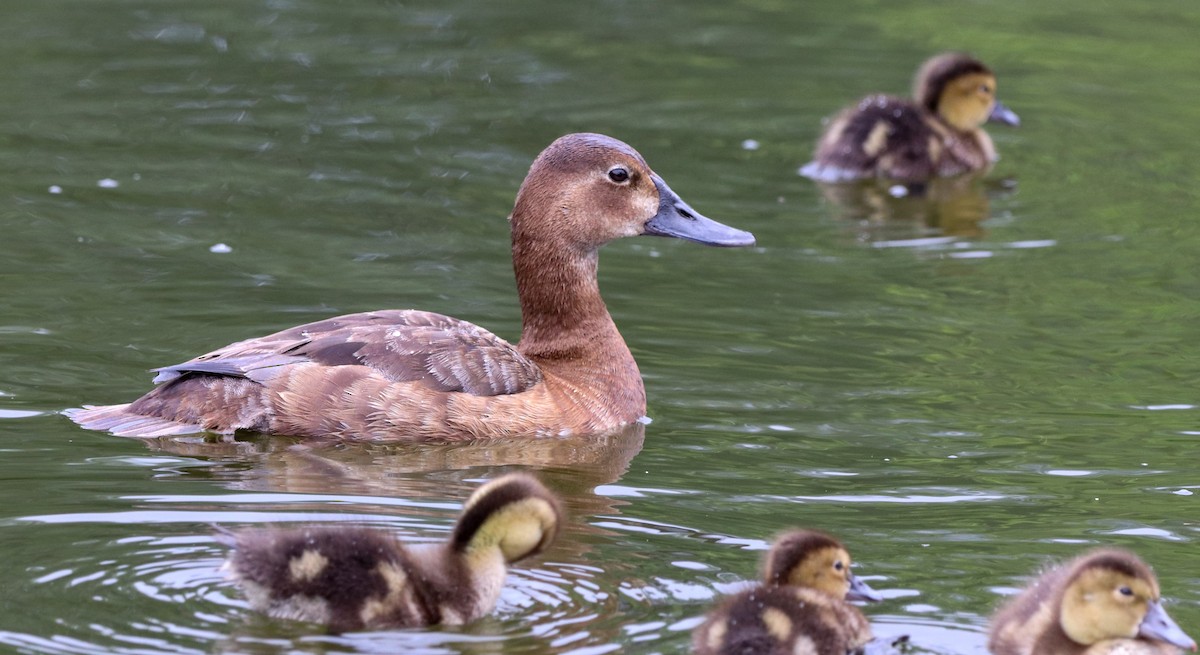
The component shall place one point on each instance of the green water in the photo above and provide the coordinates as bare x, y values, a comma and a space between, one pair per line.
960, 391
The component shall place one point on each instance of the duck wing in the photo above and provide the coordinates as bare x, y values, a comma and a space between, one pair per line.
443, 353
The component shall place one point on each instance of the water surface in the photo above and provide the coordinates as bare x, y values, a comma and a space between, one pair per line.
959, 390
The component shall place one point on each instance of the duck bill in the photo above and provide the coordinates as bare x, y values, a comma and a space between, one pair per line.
1002, 114
1158, 626
860, 590
676, 219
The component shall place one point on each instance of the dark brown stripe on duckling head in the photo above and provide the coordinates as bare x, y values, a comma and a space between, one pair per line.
1120, 561
937, 72
494, 497
790, 549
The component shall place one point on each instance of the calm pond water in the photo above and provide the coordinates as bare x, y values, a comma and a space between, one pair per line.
960, 386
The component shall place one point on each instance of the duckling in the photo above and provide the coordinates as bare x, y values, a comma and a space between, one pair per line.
1106, 602
356, 578
800, 607
408, 375
938, 133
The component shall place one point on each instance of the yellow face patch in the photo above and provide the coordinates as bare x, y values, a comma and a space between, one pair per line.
825, 569
967, 100
1104, 604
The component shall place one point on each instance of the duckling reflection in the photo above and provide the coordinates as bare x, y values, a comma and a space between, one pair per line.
800, 607
361, 578
1104, 602
885, 209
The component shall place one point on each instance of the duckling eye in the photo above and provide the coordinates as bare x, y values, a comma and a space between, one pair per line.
1125, 591
618, 175
985, 88
838, 566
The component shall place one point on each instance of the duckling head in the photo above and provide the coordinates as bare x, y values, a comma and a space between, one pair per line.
1112, 594
585, 190
962, 90
807, 558
515, 515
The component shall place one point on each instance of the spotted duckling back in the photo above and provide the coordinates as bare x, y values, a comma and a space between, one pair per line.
937, 133
800, 607
358, 578
1105, 602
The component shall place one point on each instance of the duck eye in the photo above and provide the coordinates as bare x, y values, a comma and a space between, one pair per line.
1125, 591
838, 566
618, 175
985, 88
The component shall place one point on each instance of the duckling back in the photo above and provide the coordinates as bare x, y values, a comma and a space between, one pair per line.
799, 608
349, 578
782, 621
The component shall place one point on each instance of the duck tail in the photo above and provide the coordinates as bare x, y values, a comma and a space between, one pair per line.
118, 420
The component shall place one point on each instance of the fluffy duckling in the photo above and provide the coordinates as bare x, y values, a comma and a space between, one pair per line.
408, 375
799, 609
1103, 603
938, 133
358, 578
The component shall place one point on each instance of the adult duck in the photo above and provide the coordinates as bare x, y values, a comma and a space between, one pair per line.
413, 375
937, 133
1105, 602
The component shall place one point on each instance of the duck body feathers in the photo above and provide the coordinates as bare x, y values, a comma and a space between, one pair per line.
352, 376
354, 578
938, 133
783, 620
348, 578
890, 137
799, 608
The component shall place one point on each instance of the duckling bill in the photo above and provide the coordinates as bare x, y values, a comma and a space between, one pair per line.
937, 133
799, 608
355, 578
1105, 602
396, 375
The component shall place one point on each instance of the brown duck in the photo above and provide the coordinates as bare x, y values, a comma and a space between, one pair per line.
1105, 602
408, 374
355, 578
937, 133
799, 609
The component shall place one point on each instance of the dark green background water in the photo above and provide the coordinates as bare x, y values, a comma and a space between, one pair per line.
960, 397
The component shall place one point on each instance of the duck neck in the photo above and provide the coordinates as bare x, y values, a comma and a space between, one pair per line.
563, 317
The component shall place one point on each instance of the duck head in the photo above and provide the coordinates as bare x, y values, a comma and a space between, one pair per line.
962, 90
514, 513
1112, 594
585, 190
807, 558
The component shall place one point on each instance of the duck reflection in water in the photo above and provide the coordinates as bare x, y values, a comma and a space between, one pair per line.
572, 466
881, 209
